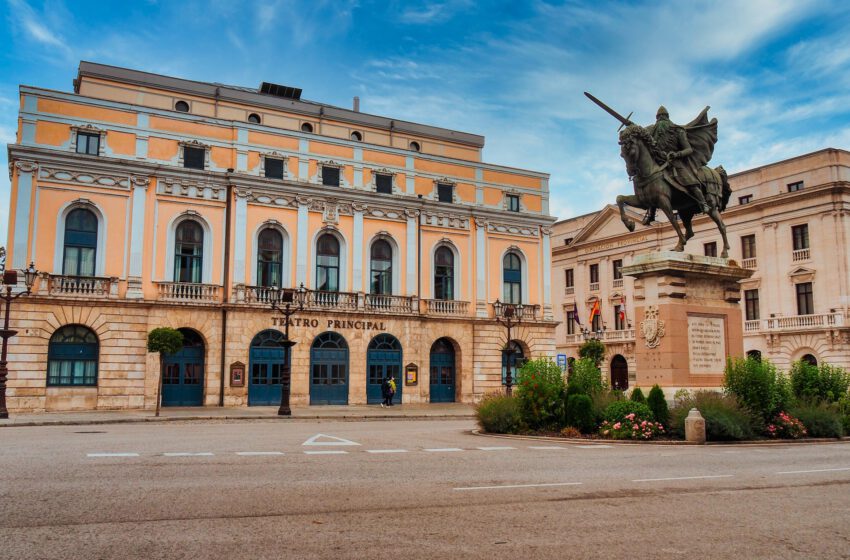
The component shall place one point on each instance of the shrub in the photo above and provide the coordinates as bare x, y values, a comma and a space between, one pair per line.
498, 414
785, 426
618, 410
587, 377
570, 432
593, 350
540, 385
824, 382
601, 401
844, 409
574, 389
757, 385
580, 413
725, 418
658, 405
637, 395
820, 419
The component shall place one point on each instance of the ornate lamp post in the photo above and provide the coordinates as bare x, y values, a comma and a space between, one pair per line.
510, 315
598, 334
292, 301
10, 280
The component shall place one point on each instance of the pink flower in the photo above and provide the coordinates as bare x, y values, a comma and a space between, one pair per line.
617, 426
635, 427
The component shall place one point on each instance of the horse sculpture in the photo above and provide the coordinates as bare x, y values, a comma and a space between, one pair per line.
655, 186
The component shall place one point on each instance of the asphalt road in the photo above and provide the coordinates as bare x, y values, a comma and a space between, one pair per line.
406, 490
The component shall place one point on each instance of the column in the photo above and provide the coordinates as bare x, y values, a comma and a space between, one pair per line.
412, 252
240, 223
547, 273
137, 237
23, 213
480, 267
301, 242
357, 248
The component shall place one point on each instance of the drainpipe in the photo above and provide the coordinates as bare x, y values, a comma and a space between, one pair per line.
228, 209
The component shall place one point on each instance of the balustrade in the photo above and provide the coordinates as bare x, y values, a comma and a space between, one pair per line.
188, 292
800, 255
446, 307
81, 286
750, 264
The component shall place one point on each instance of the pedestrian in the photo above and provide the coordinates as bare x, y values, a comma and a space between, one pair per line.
385, 392
392, 389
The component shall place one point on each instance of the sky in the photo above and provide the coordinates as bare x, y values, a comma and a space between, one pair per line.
776, 73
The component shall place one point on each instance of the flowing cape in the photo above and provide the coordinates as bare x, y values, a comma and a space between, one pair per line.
702, 135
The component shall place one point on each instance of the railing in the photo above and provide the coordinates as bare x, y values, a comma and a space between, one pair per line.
185, 292
261, 294
625, 334
344, 301
800, 255
575, 338
751, 264
529, 312
752, 326
594, 286
83, 286
389, 304
617, 283
569, 290
814, 321
446, 307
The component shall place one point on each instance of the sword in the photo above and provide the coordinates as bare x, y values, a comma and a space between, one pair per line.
623, 120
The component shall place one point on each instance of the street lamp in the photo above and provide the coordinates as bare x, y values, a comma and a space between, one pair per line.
510, 315
10, 280
288, 298
598, 334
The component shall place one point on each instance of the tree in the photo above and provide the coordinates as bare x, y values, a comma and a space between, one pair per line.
593, 349
166, 341
658, 405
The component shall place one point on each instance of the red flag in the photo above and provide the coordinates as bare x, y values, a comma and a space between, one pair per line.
623, 309
594, 311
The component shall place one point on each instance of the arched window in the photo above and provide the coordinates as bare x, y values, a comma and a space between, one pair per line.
306, 127
809, 359
188, 252
72, 356
254, 118
80, 243
269, 258
327, 263
181, 106
382, 267
754, 354
444, 274
512, 278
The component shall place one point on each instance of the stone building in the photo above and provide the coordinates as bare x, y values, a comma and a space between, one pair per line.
148, 201
789, 222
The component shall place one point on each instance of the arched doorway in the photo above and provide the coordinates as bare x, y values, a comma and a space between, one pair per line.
383, 358
809, 359
183, 379
755, 355
512, 359
619, 373
442, 371
266, 362
329, 369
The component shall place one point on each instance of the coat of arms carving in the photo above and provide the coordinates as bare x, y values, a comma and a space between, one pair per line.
652, 328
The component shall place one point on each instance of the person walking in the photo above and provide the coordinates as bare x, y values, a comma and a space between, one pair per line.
385, 392
392, 390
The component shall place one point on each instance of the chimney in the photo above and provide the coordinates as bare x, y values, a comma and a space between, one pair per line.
356, 104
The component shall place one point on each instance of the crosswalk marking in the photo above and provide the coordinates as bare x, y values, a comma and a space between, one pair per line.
112, 455
186, 454
386, 451
504, 448
258, 453
443, 449
546, 447
328, 452
593, 446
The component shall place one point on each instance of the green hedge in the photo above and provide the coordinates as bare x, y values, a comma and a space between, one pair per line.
821, 420
725, 419
499, 414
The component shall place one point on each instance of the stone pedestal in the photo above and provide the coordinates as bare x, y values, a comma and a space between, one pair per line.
687, 318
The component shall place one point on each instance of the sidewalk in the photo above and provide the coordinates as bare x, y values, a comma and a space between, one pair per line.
447, 411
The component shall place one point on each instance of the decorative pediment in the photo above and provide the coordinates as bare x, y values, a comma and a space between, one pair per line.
801, 274
606, 223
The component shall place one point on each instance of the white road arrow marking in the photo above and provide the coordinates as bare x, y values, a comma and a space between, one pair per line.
333, 440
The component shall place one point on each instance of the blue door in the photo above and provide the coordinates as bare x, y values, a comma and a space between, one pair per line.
383, 358
183, 379
442, 371
267, 358
329, 369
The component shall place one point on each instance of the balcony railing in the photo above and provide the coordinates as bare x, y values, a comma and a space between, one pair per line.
805, 322
261, 294
750, 264
343, 301
80, 286
617, 283
594, 286
449, 308
529, 312
800, 255
389, 304
189, 293
753, 325
621, 335
569, 290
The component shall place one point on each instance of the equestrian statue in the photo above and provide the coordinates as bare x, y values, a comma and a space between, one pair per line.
666, 163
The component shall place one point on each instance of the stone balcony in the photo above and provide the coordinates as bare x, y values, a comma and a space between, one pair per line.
796, 323
624, 335
750, 264
445, 308
88, 287
800, 255
184, 292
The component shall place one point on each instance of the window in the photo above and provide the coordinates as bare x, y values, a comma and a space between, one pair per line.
568, 240
794, 187
513, 202
88, 143
78, 257
269, 258
805, 300
445, 192
274, 168
569, 278
356, 136
571, 322
751, 304
181, 106
384, 183
746, 199
748, 246
188, 252
596, 323
72, 356
381, 268
800, 235
415, 146
754, 354
594, 274
327, 263
330, 176
444, 274
512, 360
306, 127
193, 158
710, 249
619, 318
512, 278
617, 269
254, 118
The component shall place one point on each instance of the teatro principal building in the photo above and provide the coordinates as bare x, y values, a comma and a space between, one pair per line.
150, 201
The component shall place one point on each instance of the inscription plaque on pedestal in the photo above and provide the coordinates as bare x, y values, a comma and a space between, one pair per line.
706, 344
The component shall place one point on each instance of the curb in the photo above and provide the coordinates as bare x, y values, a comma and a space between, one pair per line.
809, 441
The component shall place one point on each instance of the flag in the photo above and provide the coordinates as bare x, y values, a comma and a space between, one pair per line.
594, 311
623, 309
576, 318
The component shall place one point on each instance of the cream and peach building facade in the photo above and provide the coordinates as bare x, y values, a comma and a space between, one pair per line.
788, 222
147, 201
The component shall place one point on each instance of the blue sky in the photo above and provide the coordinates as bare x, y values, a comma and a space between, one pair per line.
776, 73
